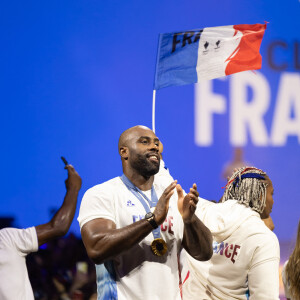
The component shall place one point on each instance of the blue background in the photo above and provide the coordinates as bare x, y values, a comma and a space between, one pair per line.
75, 74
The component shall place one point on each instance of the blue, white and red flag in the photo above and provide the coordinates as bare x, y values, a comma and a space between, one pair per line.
212, 52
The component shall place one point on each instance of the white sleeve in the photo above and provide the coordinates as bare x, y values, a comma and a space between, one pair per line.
263, 276
96, 203
23, 241
205, 211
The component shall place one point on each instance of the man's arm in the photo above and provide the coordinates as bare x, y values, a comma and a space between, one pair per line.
197, 238
61, 222
103, 241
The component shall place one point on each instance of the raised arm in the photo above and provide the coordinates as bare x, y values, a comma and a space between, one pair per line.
197, 238
61, 222
104, 241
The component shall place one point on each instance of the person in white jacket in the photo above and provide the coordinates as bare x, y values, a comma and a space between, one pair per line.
245, 262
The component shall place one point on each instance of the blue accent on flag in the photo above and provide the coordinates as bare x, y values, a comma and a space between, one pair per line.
106, 282
177, 58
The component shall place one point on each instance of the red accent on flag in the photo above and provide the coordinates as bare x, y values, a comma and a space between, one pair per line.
246, 56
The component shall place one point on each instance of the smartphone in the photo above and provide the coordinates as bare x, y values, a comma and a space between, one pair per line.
64, 160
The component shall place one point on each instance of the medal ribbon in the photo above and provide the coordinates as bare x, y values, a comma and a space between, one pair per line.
142, 197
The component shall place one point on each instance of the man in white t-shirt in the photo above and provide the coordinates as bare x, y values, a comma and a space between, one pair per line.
16, 244
134, 229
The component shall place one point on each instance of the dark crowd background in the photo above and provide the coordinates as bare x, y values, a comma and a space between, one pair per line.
61, 269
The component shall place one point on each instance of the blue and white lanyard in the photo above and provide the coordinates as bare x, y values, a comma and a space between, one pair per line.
141, 197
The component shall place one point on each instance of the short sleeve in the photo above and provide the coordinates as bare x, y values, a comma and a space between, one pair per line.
263, 276
23, 241
96, 203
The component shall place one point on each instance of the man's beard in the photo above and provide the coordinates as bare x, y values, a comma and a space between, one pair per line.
144, 166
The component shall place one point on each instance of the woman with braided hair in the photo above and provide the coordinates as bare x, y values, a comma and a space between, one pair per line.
246, 256
291, 272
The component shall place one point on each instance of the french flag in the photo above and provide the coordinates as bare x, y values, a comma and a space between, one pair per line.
191, 56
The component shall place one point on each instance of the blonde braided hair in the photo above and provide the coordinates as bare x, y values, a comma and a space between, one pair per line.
249, 190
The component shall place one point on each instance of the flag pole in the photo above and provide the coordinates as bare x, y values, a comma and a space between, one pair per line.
153, 111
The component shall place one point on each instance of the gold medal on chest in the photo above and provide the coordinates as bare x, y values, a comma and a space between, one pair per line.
159, 247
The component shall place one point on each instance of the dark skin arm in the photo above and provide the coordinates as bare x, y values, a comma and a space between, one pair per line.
60, 223
103, 241
197, 238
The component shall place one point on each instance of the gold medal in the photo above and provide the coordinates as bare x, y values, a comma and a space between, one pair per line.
159, 247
